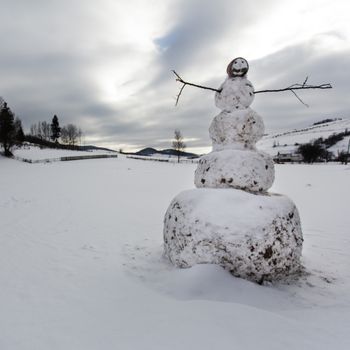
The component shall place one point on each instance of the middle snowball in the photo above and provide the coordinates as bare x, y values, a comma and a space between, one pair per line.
246, 170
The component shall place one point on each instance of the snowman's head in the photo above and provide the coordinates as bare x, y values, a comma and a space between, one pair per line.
237, 68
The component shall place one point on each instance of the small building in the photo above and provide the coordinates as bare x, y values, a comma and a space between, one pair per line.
289, 157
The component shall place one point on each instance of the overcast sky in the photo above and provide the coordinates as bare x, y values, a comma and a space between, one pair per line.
106, 65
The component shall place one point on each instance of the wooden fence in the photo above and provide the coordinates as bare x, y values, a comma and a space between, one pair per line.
166, 160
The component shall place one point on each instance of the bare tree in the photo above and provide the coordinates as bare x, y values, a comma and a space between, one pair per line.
34, 130
64, 135
178, 144
41, 130
46, 130
80, 136
70, 134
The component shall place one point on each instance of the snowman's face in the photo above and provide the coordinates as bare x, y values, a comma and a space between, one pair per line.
238, 67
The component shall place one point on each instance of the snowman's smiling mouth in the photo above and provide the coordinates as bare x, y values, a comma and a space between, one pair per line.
240, 71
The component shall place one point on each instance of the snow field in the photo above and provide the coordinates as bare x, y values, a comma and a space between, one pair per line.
81, 264
35, 153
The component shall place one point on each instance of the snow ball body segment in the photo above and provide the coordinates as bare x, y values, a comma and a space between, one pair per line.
239, 129
236, 93
258, 238
246, 170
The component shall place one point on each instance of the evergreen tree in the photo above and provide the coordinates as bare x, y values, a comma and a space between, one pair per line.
55, 129
7, 129
19, 134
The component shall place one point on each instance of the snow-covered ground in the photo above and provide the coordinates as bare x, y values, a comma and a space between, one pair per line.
81, 264
35, 153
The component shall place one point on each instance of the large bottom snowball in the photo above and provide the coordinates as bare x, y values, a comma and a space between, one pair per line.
257, 237
246, 170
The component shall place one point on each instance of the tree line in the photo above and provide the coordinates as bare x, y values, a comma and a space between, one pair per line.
317, 150
69, 134
44, 133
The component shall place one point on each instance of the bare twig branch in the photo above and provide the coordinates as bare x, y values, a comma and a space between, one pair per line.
195, 85
291, 88
296, 95
179, 79
297, 87
179, 94
302, 86
305, 81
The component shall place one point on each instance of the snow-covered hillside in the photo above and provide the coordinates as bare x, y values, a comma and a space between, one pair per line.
286, 141
81, 264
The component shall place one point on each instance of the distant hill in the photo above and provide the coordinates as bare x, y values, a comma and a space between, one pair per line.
95, 148
149, 151
328, 120
289, 141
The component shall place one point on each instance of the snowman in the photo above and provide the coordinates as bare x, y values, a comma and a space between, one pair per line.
234, 161
230, 219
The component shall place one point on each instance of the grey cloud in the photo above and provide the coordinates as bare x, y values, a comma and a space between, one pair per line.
200, 27
47, 60
38, 85
292, 65
203, 24
199, 24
